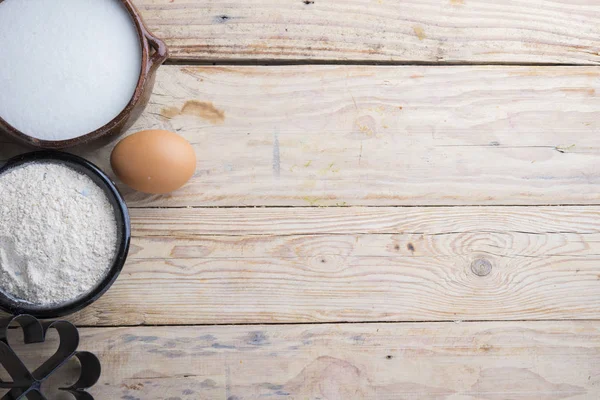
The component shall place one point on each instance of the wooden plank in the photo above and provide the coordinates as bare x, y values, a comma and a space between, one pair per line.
188, 222
483, 31
496, 361
326, 136
494, 244
376, 264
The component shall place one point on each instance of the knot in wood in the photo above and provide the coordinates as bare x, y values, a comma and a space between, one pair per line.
481, 267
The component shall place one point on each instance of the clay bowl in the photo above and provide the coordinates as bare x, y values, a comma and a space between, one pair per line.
154, 53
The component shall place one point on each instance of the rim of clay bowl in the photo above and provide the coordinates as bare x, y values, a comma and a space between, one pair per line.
81, 165
154, 54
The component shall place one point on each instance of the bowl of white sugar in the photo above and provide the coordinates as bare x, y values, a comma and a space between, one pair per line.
73, 71
64, 234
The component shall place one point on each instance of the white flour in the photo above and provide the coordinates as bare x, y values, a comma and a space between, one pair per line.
67, 67
58, 233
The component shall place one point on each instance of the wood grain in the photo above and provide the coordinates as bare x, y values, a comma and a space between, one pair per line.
327, 136
482, 31
190, 266
488, 361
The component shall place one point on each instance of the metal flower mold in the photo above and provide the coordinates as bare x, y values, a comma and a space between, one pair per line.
26, 384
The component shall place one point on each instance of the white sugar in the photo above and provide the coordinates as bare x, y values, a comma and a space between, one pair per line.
67, 67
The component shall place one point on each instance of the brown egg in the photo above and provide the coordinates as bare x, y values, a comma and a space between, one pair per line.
154, 161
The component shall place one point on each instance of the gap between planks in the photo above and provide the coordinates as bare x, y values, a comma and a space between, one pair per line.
284, 324
283, 63
300, 207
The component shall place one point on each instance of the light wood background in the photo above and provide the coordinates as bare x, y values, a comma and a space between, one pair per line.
418, 220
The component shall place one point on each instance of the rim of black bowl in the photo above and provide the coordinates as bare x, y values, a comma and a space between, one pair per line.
16, 307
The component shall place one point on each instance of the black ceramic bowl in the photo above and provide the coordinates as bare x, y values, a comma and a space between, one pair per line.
13, 306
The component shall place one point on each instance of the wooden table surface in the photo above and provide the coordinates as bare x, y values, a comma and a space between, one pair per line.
393, 200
